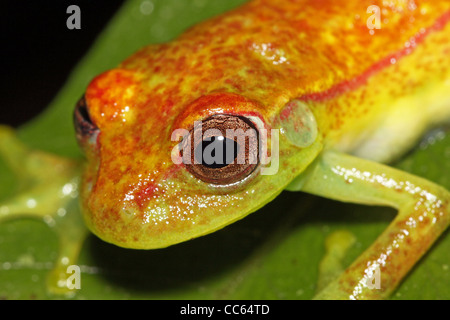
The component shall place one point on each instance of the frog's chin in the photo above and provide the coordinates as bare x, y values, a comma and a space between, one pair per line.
135, 231
181, 217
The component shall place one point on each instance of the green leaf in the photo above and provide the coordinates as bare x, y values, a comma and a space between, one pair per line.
272, 254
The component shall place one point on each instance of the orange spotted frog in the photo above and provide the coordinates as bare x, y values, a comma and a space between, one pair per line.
318, 100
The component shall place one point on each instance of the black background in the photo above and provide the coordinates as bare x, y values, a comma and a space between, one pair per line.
38, 52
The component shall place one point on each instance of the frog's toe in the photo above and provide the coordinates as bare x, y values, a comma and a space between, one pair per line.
331, 266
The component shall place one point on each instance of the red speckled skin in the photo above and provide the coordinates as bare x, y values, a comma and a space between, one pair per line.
251, 61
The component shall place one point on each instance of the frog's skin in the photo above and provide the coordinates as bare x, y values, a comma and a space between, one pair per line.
344, 97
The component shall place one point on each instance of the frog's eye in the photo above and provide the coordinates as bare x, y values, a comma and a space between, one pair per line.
84, 126
221, 149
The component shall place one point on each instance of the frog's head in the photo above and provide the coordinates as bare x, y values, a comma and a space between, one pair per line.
162, 166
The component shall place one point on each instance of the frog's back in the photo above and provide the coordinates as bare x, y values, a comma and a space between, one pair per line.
362, 83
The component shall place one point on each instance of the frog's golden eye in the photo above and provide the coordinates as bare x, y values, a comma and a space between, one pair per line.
221, 149
84, 126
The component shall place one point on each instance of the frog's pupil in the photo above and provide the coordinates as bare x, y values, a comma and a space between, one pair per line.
217, 152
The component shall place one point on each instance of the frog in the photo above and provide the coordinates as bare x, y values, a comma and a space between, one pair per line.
326, 120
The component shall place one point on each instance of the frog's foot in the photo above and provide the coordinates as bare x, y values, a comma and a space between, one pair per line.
423, 215
331, 266
48, 190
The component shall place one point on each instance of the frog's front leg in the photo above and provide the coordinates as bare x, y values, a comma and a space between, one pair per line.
48, 190
423, 214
